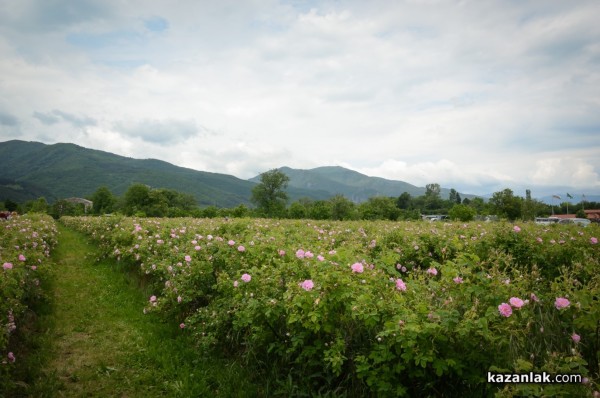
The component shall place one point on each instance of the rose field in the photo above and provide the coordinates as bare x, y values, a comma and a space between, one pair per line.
25, 244
371, 308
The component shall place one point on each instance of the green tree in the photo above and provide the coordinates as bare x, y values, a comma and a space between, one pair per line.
528, 207
433, 200
65, 208
269, 196
137, 199
240, 211
462, 212
10, 205
104, 201
454, 196
210, 212
297, 210
341, 207
38, 206
379, 208
506, 204
404, 201
320, 210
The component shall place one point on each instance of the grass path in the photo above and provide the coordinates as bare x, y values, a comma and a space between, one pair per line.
100, 344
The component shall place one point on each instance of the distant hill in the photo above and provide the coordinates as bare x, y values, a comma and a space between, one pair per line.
29, 170
33, 169
352, 184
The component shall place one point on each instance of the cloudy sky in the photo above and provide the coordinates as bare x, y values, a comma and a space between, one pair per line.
475, 95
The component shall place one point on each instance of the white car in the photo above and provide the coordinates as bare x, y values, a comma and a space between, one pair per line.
579, 221
546, 220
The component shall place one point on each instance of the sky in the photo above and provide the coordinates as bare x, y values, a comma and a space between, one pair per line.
474, 95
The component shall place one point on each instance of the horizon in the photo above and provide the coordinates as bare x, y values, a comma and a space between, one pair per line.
547, 195
477, 96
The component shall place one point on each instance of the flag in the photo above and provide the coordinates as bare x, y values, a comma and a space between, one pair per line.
569, 196
556, 196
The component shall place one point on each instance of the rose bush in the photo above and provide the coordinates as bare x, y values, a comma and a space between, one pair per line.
375, 308
25, 245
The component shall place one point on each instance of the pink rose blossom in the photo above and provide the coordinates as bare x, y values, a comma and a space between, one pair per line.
516, 302
281, 252
182, 325
593, 240
516, 228
22, 257
320, 258
241, 248
357, 267
246, 278
33, 267
575, 337
458, 280
300, 253
308, 255
307, 285
235, 283
152, 299
400, 285
505, 310
188, 258
11, 357
231, 243
534, 298
7, 265
179, 299
197, 248
561, 302
432, 271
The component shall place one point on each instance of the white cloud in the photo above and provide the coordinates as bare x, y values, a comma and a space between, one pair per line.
566, 171
480, 95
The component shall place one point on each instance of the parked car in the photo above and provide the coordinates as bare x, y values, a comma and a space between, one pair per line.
546, 220
579, 221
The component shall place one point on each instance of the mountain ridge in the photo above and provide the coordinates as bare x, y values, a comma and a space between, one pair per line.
30, 169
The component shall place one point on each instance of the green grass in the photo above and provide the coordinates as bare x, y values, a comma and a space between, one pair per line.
92, 339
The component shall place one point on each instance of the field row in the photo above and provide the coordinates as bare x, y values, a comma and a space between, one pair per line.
25, 244
380, 308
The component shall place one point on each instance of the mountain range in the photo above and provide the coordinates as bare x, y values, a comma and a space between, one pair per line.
29, 170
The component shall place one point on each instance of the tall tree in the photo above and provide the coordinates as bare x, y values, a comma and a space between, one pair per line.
270, 196
404, 201
137, 199
341, 207
454, 196
433, 200
506, 204
104, 201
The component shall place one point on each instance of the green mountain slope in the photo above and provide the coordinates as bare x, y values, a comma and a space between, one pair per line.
66, 170
352, 184
29, 170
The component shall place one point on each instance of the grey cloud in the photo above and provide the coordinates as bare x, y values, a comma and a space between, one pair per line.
57, 116
7, 119
75, 120
46, 118
51, 14
160, 131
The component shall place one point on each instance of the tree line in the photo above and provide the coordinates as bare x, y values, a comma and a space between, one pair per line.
270, 199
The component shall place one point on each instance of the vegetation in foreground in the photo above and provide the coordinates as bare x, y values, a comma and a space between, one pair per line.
383, 309
89, 335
